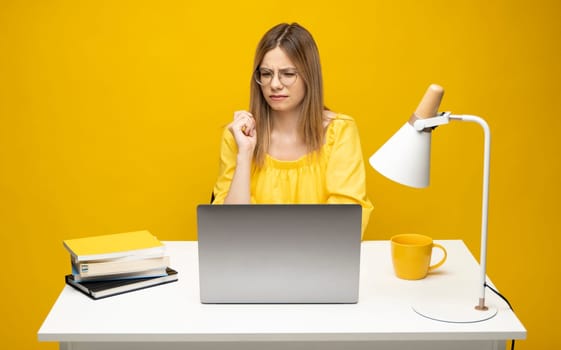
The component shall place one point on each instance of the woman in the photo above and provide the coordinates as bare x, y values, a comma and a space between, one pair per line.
289, 148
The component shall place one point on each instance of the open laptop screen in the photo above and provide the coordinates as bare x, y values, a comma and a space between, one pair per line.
299, 253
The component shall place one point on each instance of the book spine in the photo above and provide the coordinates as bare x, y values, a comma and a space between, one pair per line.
137, 254
71, 282
120, 267
123, 276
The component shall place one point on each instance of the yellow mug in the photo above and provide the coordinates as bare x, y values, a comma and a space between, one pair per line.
411, 255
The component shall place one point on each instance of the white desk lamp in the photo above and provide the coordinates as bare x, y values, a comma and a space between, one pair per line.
405, 158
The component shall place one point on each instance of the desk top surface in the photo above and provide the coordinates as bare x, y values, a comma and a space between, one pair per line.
173, 312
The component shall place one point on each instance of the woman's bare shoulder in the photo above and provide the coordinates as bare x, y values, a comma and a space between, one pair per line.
328, 116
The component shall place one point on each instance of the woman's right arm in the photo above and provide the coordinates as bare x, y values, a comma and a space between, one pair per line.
240, 187
235, 188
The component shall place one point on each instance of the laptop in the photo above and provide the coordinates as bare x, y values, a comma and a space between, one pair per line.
268, 253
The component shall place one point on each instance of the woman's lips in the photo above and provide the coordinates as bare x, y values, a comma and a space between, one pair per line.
278, 97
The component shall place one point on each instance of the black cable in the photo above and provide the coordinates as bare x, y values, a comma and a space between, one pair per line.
500, 295
506, 301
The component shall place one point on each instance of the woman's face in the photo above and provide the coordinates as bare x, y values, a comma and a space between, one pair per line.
285, 91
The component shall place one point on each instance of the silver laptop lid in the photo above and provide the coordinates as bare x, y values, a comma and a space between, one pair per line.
308, 253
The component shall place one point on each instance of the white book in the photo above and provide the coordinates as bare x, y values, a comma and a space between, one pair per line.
119, 266
122, 276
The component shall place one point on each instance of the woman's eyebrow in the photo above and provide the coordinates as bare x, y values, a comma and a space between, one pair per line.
280, 69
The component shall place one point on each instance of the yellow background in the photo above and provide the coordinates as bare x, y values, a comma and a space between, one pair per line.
111, 114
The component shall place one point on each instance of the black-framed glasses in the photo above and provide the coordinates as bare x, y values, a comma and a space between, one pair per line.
264, 76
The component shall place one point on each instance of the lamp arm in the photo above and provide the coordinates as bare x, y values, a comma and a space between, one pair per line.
485, 204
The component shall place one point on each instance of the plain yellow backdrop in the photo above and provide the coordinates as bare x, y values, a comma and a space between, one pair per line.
111, 114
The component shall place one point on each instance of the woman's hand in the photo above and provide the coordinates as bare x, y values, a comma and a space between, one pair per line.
243, 129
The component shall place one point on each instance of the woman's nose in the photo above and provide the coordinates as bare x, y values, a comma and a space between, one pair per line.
275, 82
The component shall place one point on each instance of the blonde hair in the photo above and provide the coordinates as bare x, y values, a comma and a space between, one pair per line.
299, 45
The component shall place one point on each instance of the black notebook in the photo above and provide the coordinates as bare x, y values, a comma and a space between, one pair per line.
103, 289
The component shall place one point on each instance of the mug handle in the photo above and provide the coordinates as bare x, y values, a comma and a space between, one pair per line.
438, 264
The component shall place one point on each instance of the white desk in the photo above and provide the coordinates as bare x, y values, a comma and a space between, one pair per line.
171, 316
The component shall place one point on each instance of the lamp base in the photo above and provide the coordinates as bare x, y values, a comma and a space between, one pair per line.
454, 312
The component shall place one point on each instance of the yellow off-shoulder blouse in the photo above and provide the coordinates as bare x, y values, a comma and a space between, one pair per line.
337, 175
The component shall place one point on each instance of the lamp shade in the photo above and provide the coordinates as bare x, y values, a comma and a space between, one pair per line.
405, 157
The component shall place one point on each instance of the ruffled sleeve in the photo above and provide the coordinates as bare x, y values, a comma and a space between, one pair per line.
345, 173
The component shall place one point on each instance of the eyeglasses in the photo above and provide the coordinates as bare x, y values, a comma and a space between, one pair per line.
264, 76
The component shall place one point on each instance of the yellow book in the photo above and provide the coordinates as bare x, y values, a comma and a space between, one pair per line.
113, 246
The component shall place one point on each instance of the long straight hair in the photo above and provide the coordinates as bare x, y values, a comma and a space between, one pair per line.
299, 45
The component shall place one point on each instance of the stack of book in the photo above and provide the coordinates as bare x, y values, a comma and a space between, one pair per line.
113, 264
